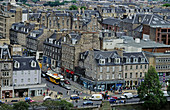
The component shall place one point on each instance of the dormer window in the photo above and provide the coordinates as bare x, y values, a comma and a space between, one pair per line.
109, 60
127, 60
117, 60
34, 35
16, 64
102, 61
142, 60
135, 60
33, 64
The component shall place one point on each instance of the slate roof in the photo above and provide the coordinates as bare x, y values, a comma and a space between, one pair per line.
54, 36
111, 21
39, 32
25, 63
147, 19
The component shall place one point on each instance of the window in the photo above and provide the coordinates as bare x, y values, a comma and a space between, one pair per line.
33, 64
120, 68
109, 60
125, 75
117, 60
102, 61
5, 73
136, 75
113, 68
127, 60
35, 79
22, 80
5, 82
143, 60
6, 66
101, 76
136, 66
130, 66
22, 72
140, 74
35, 72
28, 71
140, 66
130, 75
107, 76
135, 60
28, 79
15, 80
119, 75
108, 69
113, 76
145, 66
125, 67
101, 69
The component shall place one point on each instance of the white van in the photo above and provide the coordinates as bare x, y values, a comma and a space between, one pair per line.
165, 93
126, 95
96, 97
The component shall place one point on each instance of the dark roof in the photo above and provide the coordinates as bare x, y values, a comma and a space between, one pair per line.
111, 21
25, 63
38, 33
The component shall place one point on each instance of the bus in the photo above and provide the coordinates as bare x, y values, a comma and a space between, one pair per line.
52, 77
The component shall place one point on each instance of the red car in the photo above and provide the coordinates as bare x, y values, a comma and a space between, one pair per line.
113, 97
67, 82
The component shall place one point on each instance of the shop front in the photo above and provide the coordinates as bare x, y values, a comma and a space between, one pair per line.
70, 74
21, 93
7, 94
102, 85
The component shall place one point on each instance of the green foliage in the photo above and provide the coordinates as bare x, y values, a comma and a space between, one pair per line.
83, 7
21, 106
150, 91
57, 105
4, 4
166, 5
35, 1
23, 1
34, 105
73, 7
5, 107
168, 88
57, 3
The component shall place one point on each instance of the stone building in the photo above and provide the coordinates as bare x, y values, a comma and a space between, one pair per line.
6, 68
112, 69
34, 41
73, 44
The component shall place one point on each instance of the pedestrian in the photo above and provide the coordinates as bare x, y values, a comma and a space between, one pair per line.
44, 94
53, 87
67, 93
74, 91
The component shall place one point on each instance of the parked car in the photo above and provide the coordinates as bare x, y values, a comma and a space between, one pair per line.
113, 97
74, 97
59, 93
67, 87
136, 96
126, 95
67, 82
47, 98
112, 100
88, 103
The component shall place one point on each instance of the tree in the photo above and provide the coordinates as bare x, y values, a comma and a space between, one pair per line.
21, 106
73, 7
150, 91
35, 1
34, 105
166, 5
83, 7
168, 88
57, 105
5, 107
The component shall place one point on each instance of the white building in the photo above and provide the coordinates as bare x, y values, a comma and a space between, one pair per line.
27, 77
